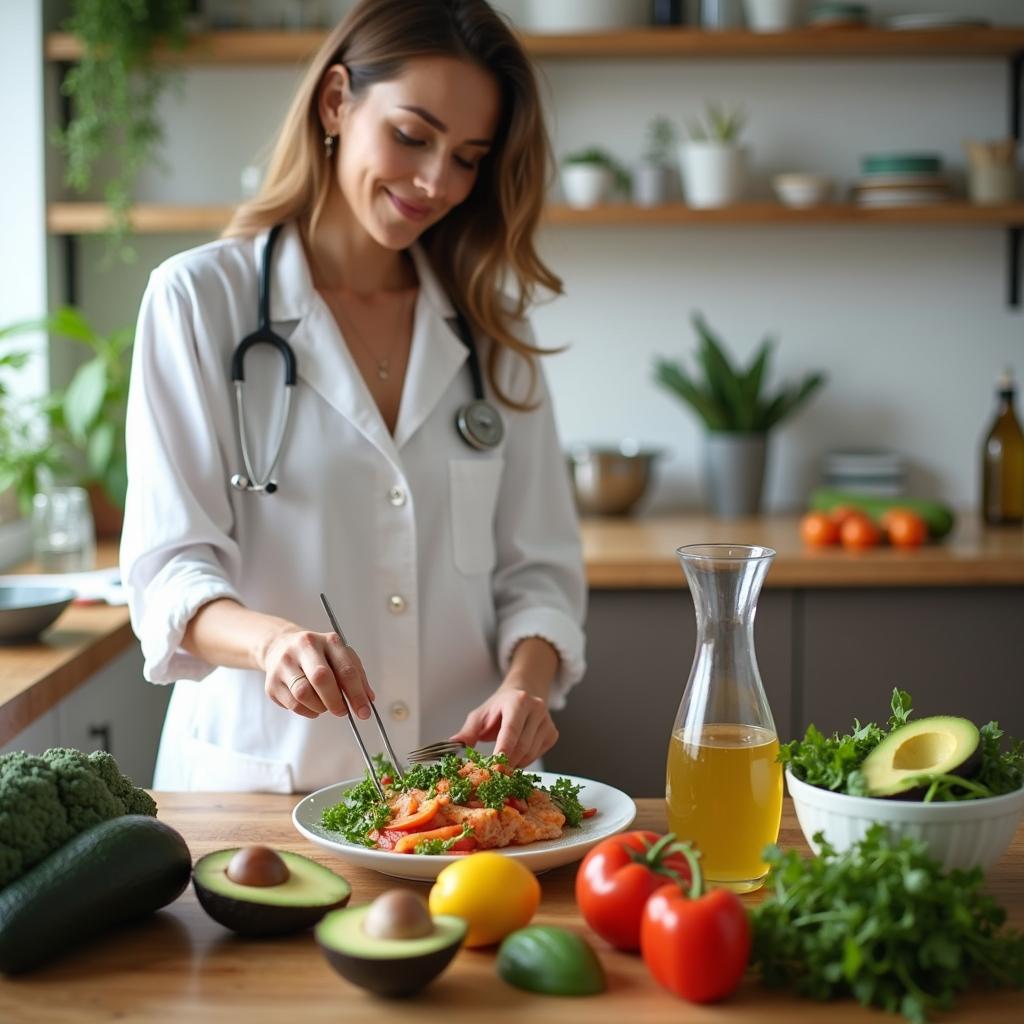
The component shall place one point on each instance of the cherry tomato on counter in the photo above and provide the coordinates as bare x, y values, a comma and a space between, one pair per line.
905, 528
696, 944
618, 875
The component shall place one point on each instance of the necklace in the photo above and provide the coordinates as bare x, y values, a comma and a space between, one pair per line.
396, 326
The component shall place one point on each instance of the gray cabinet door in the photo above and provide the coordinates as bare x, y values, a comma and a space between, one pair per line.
957, 651
640, 646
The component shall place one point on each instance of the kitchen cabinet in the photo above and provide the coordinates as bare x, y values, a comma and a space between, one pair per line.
826, 656
116, 710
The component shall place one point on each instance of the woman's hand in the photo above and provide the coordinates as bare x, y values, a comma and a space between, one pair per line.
307, 671
519, 721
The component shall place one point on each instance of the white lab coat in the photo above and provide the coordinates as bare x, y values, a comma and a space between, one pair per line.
437, 558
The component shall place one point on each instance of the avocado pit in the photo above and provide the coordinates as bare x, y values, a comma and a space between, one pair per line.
257, 865
398, 914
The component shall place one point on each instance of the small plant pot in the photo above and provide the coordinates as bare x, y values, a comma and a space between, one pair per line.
772, 15
714, 173
652, 184
586, 185
734, 470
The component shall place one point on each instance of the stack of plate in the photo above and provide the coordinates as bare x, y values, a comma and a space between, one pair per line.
876, 472
901, 179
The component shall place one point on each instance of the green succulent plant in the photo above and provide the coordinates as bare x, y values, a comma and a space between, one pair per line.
729, 399
601, 158
719, 124
661, 137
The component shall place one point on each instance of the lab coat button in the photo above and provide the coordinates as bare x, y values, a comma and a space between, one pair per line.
399, 711
396, 603
396, 496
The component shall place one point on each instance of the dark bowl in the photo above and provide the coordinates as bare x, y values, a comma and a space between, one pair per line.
26, 611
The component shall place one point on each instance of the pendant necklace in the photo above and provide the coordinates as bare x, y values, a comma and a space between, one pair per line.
383, 363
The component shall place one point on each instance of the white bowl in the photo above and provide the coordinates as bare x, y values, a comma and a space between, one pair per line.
802, 189
960, 834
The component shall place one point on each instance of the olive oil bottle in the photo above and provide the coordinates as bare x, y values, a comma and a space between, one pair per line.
1002, 460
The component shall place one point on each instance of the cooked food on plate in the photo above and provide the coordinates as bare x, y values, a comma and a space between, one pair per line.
456, 805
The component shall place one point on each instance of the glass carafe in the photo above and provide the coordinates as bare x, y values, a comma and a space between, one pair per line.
723, 785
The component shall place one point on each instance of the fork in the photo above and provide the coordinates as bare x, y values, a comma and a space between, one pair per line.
434, 751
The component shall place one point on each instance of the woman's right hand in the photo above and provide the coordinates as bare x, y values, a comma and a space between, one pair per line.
306, 672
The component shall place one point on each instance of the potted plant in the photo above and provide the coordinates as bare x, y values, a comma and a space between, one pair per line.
589, 176
772, 15
652, 180
75, 435
114, 90
738, 415
713, 161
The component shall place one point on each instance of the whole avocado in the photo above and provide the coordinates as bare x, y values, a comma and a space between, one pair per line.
552, 961
48, 799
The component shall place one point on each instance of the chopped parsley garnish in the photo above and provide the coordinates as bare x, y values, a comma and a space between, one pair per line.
438, 846
362, 812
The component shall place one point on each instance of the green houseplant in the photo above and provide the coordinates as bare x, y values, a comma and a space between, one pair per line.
652, 179
114, 90
737, 411
75, 434
713, 161
590, 175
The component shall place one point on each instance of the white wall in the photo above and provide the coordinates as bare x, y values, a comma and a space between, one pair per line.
910, 324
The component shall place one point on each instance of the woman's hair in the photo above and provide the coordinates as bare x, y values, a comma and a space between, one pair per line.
486, 243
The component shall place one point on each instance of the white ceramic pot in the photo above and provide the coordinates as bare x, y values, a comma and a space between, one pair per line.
714, 173
772, 15
960, 834
586, 185
652, 184
583, 15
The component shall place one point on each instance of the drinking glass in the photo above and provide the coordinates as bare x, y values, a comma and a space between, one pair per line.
63, 536
723, 785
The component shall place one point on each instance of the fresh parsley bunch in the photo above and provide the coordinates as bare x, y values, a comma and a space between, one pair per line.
881, 922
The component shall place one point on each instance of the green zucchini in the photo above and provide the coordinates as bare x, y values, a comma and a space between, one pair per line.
117, 871
938, 517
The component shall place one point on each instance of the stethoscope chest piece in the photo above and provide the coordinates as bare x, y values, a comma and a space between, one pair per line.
480, 425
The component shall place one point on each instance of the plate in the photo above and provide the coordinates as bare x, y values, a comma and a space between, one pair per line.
615, 812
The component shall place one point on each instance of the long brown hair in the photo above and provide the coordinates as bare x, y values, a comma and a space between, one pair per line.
482, 246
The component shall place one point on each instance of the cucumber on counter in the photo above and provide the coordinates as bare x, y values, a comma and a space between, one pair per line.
114, 872
939, 517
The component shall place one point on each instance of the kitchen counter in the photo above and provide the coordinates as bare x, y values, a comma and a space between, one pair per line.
181, 965
639, 553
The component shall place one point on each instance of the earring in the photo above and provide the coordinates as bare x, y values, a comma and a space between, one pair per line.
329, 146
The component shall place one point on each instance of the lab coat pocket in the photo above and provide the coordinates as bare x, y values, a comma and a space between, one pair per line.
211, 767
474, 495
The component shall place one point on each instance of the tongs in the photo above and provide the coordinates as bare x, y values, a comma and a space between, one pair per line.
367, 760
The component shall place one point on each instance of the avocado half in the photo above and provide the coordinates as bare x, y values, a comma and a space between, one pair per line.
388, 967
940, 745
308, 893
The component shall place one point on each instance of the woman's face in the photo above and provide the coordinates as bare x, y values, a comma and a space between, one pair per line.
409, 149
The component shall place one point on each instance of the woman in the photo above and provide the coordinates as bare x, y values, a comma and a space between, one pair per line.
408, 179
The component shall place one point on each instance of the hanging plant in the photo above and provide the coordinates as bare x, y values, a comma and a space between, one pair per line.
114, 90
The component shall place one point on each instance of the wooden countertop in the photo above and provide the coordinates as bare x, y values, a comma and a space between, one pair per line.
181, 965
639, 553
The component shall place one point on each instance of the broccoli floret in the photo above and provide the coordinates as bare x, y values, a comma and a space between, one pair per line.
46, 800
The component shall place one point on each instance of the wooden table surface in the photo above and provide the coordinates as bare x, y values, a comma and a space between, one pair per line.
181, 966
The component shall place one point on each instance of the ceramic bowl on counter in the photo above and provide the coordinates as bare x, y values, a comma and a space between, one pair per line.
609, 481
960, 834
26, 611
800, 190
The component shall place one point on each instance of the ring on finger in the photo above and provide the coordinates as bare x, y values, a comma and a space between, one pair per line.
301, 675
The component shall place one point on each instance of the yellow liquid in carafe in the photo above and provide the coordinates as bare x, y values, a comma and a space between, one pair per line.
724, 793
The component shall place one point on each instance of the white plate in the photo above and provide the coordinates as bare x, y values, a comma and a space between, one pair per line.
615, 812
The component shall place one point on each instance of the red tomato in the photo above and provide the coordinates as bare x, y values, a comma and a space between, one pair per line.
617, 876
905, 529
858, 533
841, 513
819, 530
697, 947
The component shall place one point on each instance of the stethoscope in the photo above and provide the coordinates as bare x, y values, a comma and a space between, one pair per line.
478, 422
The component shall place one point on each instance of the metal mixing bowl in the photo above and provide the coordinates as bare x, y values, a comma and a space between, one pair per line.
609, 481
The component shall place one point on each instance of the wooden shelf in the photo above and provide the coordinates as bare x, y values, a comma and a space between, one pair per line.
152, 218
271, 47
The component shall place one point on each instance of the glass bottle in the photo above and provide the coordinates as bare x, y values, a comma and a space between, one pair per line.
723, 785
1002, 460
